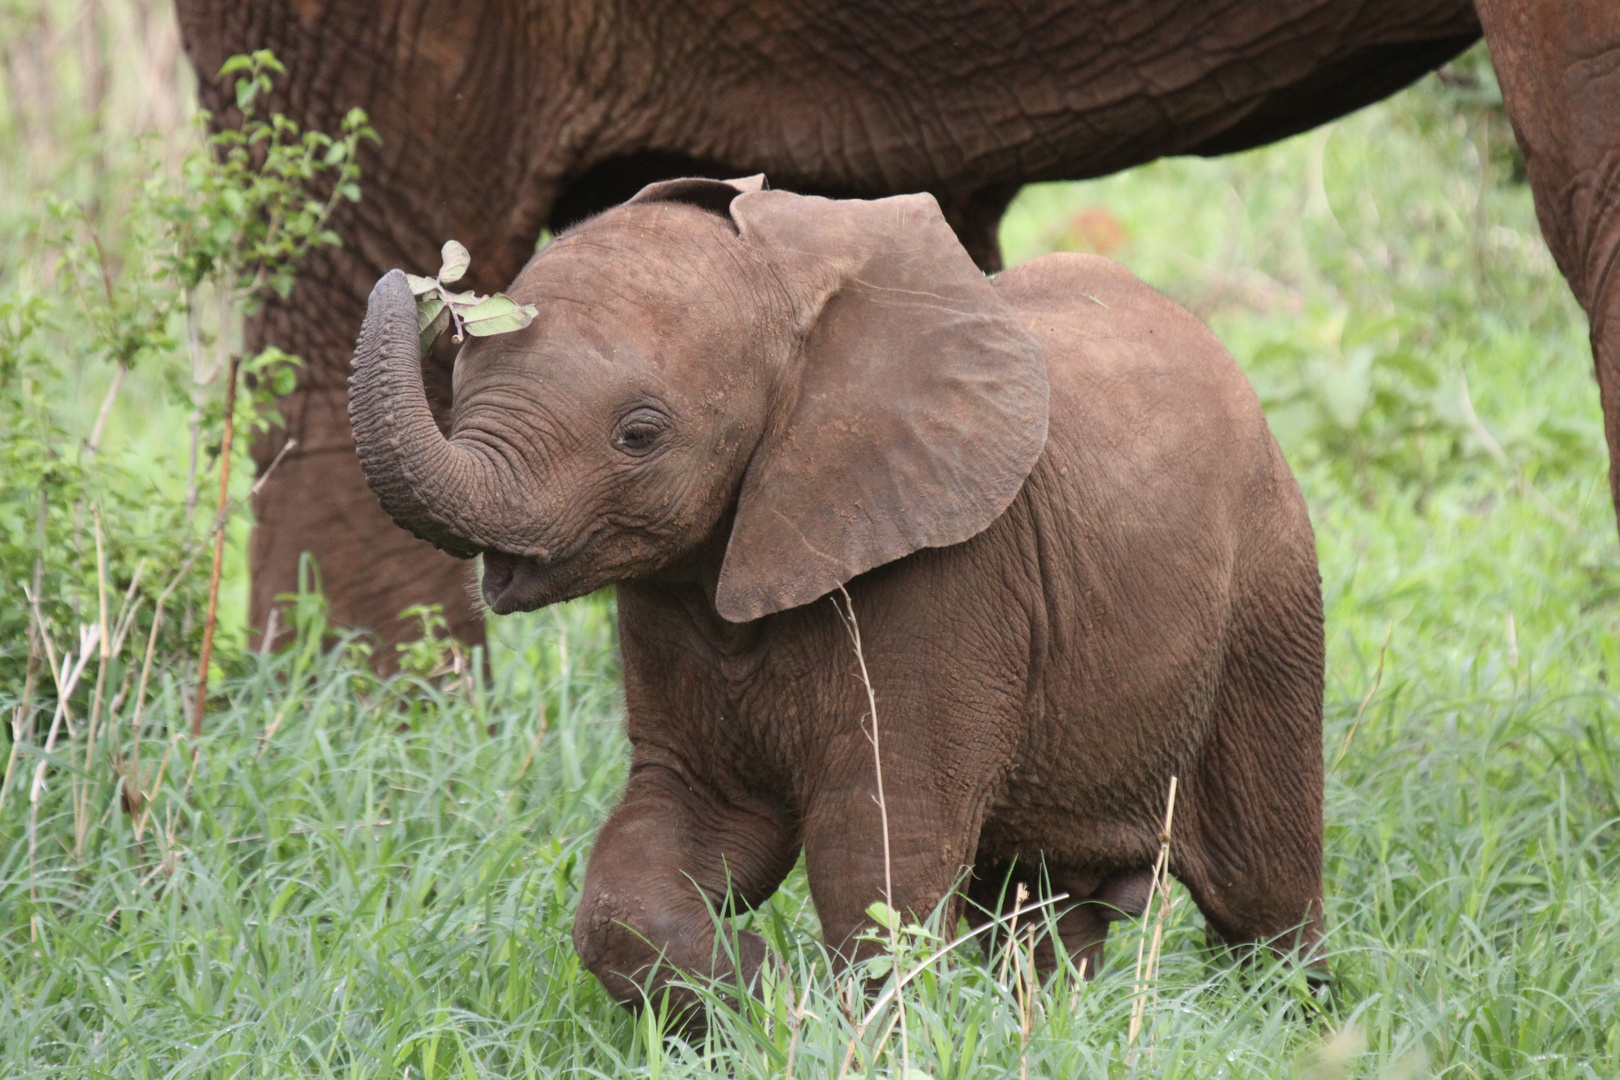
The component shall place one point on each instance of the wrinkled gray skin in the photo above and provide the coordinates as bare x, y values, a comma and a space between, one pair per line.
501, 117
1079, 564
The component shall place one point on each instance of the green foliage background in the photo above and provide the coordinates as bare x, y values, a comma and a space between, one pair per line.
357, 877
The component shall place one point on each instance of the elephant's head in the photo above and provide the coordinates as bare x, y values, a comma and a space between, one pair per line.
813, 387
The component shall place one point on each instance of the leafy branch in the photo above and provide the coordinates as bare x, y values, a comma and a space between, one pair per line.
481, 316
249, 210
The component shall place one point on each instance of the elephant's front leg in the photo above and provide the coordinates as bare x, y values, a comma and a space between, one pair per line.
672, 855
932, 832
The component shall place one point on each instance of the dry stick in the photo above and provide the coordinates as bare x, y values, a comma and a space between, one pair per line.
270, 623
146, 663
1019, 897
163, 599
1079, 976
853, 627
66, 678
268, 638
151, 647
194, 420
1026, 1006
122, 625
81, 786
24, 709
1167, 900
534, 748
1378, 677
1497, 454
128, 606
146, 807
269, 731
312, 829
219, 555
798, 1009
34, 646
1143, 976
793, 1041
11, 759
93, 444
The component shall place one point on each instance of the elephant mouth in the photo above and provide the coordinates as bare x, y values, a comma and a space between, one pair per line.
512, 583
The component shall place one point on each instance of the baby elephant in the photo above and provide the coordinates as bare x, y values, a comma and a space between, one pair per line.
1079, 564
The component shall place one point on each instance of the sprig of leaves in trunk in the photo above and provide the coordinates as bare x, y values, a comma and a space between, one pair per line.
481, 316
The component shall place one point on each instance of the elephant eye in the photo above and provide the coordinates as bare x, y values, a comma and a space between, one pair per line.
640, 431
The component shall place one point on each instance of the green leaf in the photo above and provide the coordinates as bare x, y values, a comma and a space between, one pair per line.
884, 915
420, 286
428, 308
431, 331
456, 260
498, 314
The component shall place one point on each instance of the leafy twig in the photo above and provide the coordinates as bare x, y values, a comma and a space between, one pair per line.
481, 316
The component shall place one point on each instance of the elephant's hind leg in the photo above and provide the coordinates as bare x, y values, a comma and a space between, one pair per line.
1095, 900
1247, 839
672, 856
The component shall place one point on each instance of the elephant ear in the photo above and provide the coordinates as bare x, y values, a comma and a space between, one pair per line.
914, 411
712, 195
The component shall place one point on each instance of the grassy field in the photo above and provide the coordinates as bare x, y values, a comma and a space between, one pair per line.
358, 878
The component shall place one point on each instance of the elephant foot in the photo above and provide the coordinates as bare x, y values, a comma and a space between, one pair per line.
671, 861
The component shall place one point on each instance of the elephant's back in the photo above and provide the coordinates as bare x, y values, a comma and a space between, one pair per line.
1145, 400
1158, 448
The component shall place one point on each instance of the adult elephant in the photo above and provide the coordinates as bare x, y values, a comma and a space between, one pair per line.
503, 117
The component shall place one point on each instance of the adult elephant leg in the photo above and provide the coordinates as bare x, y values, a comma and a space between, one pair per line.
1559, 65
315, 503
447, 167
673, 855
975, 217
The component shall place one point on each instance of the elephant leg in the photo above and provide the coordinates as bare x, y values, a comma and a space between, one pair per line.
1559, 65
315, 501
447, 166
930, 847
672, 856
1081, 927
1257, 879
1246, 838
975, 217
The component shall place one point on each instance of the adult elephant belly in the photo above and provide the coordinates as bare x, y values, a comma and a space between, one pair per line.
970, 99
499, 118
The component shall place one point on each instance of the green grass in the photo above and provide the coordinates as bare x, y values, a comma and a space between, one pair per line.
385, 885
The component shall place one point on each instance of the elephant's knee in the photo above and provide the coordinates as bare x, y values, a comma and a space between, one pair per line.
623, 944
636, 946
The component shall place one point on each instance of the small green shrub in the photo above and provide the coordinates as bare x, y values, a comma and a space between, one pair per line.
196, 253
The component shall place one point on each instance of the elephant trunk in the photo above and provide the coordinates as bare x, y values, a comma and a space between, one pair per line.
430, 485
